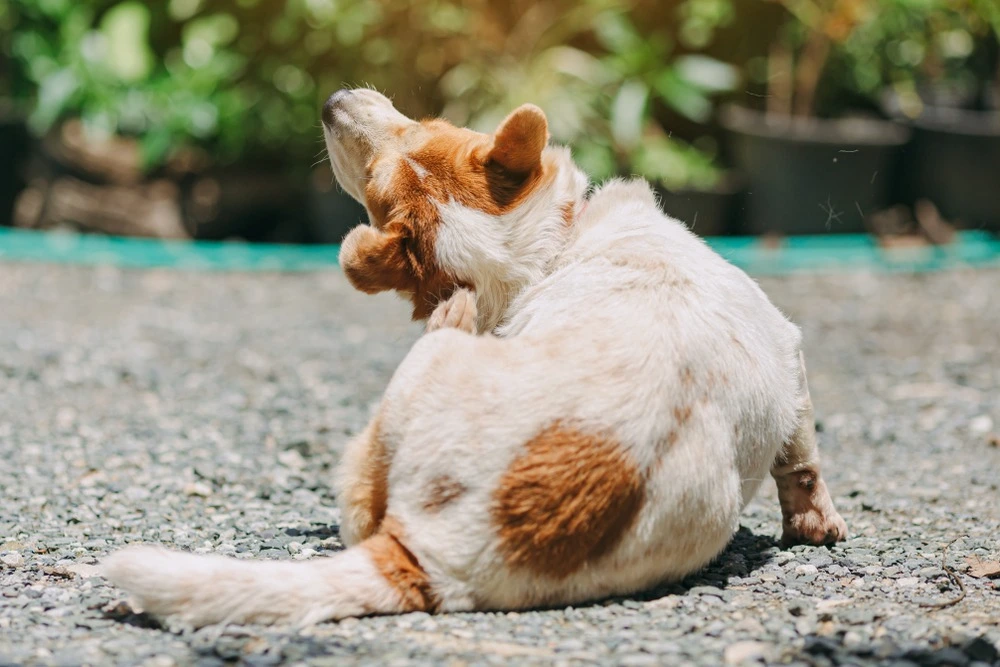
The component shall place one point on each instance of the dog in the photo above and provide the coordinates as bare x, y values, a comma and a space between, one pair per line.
597, 398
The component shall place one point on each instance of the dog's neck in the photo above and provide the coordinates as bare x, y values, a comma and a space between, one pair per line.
502, 256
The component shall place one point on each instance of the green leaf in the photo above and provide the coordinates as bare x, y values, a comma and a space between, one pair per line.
617, 34
54, 94
709, 74
675, 164
628, 113
682, 96
597, 160
155, 146
217, 29
126, 30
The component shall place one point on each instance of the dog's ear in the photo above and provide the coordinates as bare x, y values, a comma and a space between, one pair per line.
375, 261
519, 141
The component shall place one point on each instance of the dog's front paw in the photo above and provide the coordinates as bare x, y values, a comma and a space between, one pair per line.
808, 514
813, 527
458, 312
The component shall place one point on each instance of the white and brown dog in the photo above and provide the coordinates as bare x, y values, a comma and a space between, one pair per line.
598, 396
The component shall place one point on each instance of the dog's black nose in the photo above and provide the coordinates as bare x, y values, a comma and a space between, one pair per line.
332, 103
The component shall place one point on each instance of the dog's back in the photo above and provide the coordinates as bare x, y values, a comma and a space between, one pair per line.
641, 338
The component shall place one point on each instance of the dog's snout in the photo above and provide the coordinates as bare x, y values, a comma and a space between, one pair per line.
332, 103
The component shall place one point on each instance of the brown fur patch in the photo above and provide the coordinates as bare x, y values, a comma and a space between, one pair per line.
682, 414
565, 501
370, 491
400, 567
796, 491
442, 491
378, 475
461, 165
807, 480
568, 210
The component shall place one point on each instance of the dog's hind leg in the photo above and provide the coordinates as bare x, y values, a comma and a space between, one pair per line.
362, 485
808, 514
362, 476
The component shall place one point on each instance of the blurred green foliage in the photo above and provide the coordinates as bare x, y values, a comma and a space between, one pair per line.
230, 75
869, 47
906, 45
244, 78
601, 79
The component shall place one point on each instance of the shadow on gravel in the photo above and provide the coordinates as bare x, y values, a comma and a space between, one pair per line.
747, 552
315, 530
124, 614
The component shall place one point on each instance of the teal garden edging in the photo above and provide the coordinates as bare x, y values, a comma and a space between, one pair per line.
971, 249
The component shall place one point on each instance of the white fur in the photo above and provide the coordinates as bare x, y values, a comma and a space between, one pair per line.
501, 255
194, 591
612, 324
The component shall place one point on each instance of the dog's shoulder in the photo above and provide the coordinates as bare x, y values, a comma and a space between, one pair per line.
618, 197
624, 226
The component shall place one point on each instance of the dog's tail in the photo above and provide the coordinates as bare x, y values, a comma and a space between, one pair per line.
378, 576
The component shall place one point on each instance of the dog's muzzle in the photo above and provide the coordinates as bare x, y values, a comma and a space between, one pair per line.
334, 102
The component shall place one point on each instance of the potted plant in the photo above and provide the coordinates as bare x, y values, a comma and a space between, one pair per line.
14, 139
950, 95
143, 110
807, 173
13, 130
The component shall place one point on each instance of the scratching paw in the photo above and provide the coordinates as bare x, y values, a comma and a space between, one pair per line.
458, 312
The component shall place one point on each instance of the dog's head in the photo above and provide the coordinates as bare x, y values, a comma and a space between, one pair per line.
448, 206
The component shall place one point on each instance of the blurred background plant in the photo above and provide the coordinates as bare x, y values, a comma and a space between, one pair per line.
631, 85
185, 71
933, 51
829, 57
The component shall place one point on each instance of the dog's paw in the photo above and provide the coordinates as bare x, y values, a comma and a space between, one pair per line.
813, 526
808, 514
458, 312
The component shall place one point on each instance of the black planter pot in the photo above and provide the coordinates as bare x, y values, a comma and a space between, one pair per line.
705, 212
14, 152
256, 203
954, 161
812, 176
332, 212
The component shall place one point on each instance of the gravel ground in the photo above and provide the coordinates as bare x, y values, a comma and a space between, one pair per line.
205, 411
